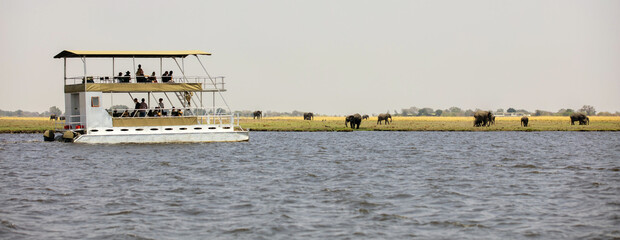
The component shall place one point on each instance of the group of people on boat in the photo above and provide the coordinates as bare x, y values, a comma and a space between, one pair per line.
141, 78
140, 110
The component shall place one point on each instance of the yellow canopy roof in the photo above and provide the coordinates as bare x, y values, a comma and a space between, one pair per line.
128, 54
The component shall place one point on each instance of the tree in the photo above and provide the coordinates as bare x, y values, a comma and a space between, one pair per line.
511, 110
438, 112
589, 110
500, 110
55, 110
119, 107
426, 112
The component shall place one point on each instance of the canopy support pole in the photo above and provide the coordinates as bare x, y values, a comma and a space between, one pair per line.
214, 85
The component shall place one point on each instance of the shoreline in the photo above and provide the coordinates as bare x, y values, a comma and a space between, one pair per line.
16, 125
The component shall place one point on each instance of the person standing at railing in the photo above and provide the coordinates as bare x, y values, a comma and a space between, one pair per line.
161, 107
140, 74
143, 107
135, 108
170, 78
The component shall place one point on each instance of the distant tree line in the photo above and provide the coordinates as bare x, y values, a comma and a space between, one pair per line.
455, 111
20, 113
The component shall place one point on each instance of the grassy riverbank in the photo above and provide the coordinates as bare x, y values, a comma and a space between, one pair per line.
550, 123
40, 124
25, 124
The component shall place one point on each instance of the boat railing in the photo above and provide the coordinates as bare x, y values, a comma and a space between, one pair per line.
205, 116
71, 122
207, 83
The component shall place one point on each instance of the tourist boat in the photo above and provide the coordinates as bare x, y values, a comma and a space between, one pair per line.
191, 112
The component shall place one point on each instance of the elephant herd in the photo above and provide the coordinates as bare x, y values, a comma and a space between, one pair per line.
486, 118
481, 119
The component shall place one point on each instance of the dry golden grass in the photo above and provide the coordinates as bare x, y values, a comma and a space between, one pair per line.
25, 124
323, 123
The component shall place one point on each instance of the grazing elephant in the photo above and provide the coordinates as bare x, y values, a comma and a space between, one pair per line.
308, 116
483, 118
585, 121
579, 117
53, 117
257, 114
384, 117
354, 119
524, 121
364, 117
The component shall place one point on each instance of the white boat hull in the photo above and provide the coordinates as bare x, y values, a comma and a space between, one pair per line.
230, 136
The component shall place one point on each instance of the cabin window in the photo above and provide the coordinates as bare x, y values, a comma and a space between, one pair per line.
139, 129
94, 130
182, 128
226, 127
154, 129
168, 129
197, 128
124, 130
94, 101
211, 127
109, 130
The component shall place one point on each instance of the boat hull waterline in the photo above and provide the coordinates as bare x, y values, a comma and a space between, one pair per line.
236, 136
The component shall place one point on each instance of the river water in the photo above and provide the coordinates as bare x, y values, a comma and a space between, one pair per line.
356, 185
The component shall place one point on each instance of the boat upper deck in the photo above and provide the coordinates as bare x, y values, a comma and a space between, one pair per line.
109, 85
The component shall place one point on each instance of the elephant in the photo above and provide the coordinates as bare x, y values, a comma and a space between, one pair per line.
492, 122
579, 117
524, 121
384, 117
483, 118
308, 116
585, 121
354, 119
257, 114
364, 117
53, 117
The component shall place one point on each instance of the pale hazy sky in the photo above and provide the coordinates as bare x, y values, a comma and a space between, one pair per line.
336, 57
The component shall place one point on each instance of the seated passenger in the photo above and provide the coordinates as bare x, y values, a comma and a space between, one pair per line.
127, 77
150, 113
125, 114
174, 112
170, 77
164, 77
119, 78
153, 78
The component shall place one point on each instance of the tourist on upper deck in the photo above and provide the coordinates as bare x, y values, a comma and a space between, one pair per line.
153, 78
164, 77
140, 74
119, 78
170, 77
127, 77
143, 107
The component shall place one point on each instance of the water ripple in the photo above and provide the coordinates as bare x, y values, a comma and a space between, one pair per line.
368, 185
